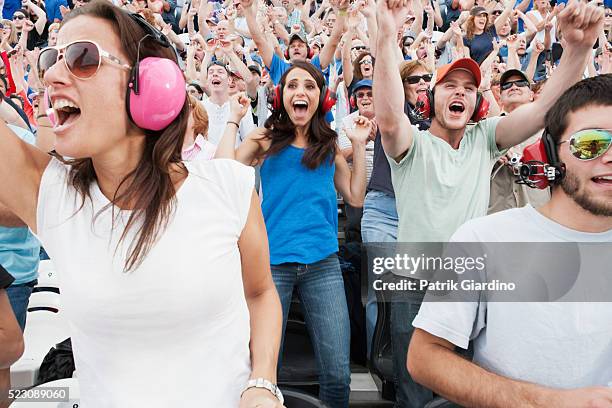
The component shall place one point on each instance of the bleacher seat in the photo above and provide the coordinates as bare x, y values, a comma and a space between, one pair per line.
381, 355
44, 329
298, 399
47, 277
44, 300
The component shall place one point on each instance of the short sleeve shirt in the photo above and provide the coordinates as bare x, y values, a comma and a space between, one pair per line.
439, 188
278, 67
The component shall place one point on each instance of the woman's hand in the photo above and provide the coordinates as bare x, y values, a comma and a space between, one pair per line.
361, 132
239, 105
259, 398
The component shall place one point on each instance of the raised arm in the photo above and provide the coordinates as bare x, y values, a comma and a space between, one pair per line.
580, 24
537, 49
369, 12
504, 16
21, 169
347, 66
40, 13
393, 124
329, 49
352, 183
266, 50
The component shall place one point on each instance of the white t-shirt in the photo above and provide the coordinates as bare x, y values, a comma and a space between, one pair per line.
561, 345
217, 120
175, 331
345, 143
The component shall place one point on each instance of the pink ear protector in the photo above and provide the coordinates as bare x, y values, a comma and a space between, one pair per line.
156, 90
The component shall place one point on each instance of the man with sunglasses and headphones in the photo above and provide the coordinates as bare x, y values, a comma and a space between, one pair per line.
441, 177
537, 354
505, 192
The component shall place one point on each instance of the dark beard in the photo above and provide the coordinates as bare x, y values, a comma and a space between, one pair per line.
572, 187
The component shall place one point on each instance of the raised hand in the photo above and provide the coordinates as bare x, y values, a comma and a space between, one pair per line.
391, 14
27, 25
239, 105
539, 47
166, 28
340, 4
247, 3
368, 8
456, 29
580, 24
512, 41
361, 132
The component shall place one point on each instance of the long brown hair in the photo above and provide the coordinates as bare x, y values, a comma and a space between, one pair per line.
281, 131
200, 117
470, 27
357, 76
149, 186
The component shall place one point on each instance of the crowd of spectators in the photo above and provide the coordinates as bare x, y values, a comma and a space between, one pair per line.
428, 165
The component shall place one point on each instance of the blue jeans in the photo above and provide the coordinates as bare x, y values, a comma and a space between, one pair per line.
404, 308
19, 296
321, 292
378, 224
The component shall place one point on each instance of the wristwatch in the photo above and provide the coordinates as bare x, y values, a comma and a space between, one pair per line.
263, 383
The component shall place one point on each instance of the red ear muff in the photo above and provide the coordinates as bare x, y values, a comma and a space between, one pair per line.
425, 104
539, 166
327, 102
287, 53
276, 102
481, 110
353, 102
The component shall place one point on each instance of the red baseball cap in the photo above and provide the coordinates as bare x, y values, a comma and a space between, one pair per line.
467, 64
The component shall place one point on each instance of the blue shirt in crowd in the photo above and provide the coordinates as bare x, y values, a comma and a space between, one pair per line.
300, 208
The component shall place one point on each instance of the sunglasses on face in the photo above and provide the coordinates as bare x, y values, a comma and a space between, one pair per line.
365, 61
496, 12
19, 17
520, 83
82, 58
359, 48
363, 94
589, 144
415, 79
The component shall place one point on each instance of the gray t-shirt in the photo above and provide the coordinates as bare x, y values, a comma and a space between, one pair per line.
438, 188
561, 345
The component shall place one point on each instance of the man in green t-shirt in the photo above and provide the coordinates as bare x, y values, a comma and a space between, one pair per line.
441, 176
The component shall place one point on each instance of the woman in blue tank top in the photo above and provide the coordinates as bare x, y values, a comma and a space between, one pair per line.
301, 169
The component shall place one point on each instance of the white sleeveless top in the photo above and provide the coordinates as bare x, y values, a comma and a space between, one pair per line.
175, 331
540, 34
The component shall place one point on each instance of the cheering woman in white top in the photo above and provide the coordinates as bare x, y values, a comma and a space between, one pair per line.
163, 265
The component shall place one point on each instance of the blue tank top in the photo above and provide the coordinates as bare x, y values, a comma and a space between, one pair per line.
299, 207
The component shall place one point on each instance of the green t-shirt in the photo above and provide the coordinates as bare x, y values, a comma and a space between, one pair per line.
438, 188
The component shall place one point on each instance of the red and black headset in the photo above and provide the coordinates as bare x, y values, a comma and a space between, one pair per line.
539, 166
326, 101
425, 106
